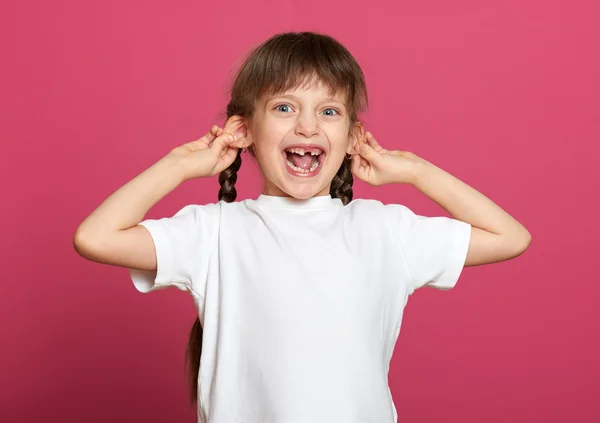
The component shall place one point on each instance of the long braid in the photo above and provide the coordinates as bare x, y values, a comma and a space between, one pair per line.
227, 193
228, 178
341, 185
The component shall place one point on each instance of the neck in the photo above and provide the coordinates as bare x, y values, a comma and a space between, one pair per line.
274, 191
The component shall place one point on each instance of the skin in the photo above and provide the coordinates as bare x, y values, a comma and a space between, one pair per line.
300, 116
111, 233
304, 118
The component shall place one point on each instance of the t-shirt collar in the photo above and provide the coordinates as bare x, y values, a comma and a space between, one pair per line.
317, 202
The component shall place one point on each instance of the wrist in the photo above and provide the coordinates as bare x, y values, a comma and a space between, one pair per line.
412, 169
175, 166
420, 169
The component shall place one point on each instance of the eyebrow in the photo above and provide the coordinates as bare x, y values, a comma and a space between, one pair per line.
296, 98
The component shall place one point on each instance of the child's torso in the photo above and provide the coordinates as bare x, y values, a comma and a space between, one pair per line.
301, 314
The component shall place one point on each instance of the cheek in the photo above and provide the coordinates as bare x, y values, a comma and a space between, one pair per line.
266, 151
268, 141
341, 142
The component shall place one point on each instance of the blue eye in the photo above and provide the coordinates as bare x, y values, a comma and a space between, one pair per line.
287, 105
281, 105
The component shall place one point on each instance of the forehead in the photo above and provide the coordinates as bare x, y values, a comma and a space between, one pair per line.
308, 88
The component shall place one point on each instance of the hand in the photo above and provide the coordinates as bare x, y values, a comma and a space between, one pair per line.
375, 165
214, 152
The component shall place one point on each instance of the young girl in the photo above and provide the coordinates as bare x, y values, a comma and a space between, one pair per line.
300, 292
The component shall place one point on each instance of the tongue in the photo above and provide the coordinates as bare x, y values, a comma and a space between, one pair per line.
303, 162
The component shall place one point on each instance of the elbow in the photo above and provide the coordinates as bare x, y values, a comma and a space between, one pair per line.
522, 243
82, 243
78, 242
515, 245
526, 240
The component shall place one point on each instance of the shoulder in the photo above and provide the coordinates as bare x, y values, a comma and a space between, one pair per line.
376, 207
198, 210
364, 204
187, 218
397, 218
371, 214
215, 207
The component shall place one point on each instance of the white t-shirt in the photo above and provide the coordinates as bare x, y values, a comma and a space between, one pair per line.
301, 301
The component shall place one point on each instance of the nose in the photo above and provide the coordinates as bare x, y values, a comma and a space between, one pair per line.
308, 125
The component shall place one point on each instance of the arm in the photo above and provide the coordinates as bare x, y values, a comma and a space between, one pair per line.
110, 234
495, 236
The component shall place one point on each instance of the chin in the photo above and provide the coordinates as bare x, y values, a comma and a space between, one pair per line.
301, 192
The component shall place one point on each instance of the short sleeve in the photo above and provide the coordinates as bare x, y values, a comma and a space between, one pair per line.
434, 249
183, 244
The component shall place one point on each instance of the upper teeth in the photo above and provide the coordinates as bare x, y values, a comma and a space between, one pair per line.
301, 151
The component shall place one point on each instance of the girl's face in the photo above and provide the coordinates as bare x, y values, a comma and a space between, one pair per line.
299, 139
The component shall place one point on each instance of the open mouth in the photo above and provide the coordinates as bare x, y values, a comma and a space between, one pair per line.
304, 160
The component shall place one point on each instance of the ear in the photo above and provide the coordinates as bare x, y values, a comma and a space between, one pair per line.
357, 134
246, 127
235, 123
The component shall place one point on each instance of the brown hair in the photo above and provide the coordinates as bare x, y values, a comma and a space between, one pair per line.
286, 61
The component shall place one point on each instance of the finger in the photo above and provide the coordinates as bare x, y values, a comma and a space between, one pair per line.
230, 154
370, 139
366, 152
207, 138
364, 163
240, 141
355, 164
359, 163
221, 143
216, 130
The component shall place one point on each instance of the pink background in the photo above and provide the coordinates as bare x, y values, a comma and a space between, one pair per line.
503, 94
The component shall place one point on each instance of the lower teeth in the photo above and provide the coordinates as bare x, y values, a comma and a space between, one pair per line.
300, 170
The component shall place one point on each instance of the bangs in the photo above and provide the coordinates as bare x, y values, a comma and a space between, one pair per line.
305, 79
291, 61
301, 62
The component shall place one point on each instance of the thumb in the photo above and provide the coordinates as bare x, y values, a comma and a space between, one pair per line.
221, 143
366, 151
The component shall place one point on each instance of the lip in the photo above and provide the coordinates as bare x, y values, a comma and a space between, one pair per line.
320, 159
306, 146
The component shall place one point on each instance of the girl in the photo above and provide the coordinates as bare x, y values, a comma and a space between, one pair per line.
300, 292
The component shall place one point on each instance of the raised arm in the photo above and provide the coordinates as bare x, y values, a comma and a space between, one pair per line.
495, 235
111, 234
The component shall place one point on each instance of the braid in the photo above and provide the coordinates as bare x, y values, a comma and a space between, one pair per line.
227, 179
341, 186
227, 193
